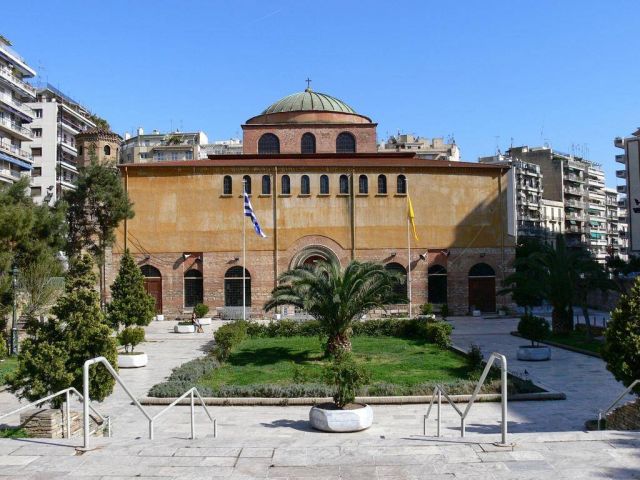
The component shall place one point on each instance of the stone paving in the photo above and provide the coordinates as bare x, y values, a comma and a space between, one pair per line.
276, 442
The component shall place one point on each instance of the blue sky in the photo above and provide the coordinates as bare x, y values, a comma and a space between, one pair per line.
565, 73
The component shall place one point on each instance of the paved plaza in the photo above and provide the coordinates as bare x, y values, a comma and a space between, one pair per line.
276, 442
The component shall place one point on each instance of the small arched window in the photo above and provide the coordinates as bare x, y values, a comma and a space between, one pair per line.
192, 288
233, 288
346, 143
268, 144
363, 184
226, 185
400, 288
382, 185
246, 180
305, 187
286, 185
266, 185
344, 184
324, 184
402, 184
80, 150
308, 143
107, 150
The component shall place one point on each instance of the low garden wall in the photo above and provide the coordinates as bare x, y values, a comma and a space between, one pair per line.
51, 423
626, 417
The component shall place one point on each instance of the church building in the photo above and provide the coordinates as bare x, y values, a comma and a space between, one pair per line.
320, 190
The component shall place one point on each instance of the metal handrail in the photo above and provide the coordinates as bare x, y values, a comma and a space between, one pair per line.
114, 374
66, 392
439, 391
603, 413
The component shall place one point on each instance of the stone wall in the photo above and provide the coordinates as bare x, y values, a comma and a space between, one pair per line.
626, 417
51, 423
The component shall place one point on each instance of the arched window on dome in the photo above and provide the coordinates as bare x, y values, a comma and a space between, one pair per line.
344, 184
226, 185
305, 187
266, 185
324, 185
363, 184
247, 184
382, 185
269, 144
308, 143
285, 188
346, 143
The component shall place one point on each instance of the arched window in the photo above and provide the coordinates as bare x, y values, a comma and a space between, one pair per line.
192, 288
153, 284
324, 184
226, 185
402, 184
149, 271
344, 184
482, 288
363, 184
308, 143
233, 287
382, 184
266, 185
437, 284
107, 150
285, 188
247, 184
305, 187
482, 270
400, 288
268, 144
345, 143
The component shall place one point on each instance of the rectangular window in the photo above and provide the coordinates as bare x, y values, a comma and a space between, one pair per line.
36, 171
174, 156
36, 191
38, 112
37, 132
36, 152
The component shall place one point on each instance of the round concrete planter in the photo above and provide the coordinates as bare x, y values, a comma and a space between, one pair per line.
160, 317
204, 321
185, 328
132, 360
336, 420
528, 353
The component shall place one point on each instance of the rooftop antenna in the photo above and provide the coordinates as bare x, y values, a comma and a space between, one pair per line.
497, 137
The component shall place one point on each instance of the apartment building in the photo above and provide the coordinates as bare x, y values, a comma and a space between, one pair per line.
629, 190
58, 119
616, 224
233, 146
427, 148
15, 160
162, 147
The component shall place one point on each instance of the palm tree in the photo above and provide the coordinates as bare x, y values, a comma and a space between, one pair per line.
337, 297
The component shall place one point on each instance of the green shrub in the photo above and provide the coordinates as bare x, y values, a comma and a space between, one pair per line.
426, 309
201, 310
346, 376
475, 358
130, 337
444, 311
533, 328
439, 333
4, 350
227, 337
184, 377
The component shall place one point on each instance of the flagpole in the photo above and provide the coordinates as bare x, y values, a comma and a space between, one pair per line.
244, 255
408, 251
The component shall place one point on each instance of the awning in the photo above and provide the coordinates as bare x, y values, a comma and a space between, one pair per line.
15, 161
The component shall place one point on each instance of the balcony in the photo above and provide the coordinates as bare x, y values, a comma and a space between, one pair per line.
67, 146
572, 177
622, 203
8, 76
16, 152
621, 173
573, 190
16, 130
621, 189
27, 113
70, 126
618, 142
8, 174
67, 165
622, 158
66, 184
574, 203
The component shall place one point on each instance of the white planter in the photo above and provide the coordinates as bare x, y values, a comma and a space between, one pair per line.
136, 360
476, 313
204, 321
185, 328
329, 420
528, 353
160, 317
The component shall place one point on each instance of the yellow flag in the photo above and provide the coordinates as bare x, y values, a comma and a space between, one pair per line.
411, 216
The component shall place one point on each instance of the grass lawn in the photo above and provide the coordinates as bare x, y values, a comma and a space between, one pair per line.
286, 360
7, 366
577, 340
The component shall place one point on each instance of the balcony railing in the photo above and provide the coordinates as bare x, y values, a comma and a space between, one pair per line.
573, 177
16, 151
21, 107
621, 158
574, 203
6, 73
16, 127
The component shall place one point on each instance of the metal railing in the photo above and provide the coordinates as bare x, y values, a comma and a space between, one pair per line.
67, 413
85, 388
603, 413
8, 74
439, 391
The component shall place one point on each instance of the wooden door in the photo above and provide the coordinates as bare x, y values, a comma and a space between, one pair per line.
482, 293
153, 286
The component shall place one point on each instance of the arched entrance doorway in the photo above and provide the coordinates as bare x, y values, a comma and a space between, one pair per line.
312, 254
482, 288
401, 288
153, 284
233, 287
437, 284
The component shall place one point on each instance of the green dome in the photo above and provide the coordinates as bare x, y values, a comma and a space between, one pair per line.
309, 101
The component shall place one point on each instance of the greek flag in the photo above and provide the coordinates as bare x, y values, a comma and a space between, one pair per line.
248, 212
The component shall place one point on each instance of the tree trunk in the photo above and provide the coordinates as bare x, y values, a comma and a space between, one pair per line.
585, 314
337, 344
562, 320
